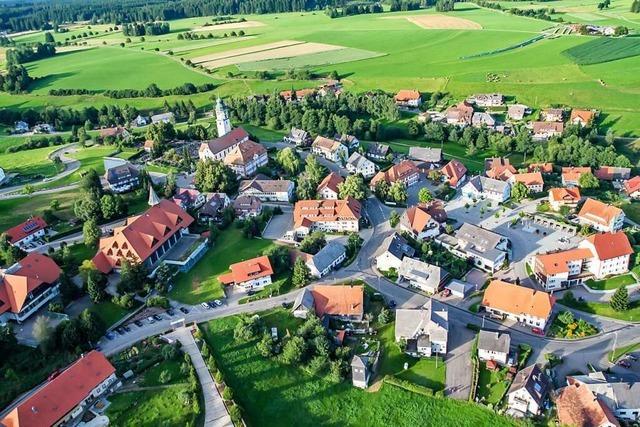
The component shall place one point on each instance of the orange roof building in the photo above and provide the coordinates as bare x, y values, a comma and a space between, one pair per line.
454, 172
328, 187
571, 175
499, 168
23, 234
62, 399
327, 215
251, 274
532, 180
408, 98
540, 167
518, 303
612, 173
144, 238
559, 197
418, 221
296, 95
345, 302
246, 158
582, 117
406, 172
27, 285
601, 216
632, 187
578, 406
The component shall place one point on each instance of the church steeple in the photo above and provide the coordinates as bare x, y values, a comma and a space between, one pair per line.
222, 118
153, 197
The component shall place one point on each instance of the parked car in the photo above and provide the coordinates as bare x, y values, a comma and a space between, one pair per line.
537, 331
632, 357
151, 319
157, 317
120, 330
126, 328
138, 323
392, 304
624, 363
184, 310
251, 292
217, 302
110, 336
170, 312
205, 305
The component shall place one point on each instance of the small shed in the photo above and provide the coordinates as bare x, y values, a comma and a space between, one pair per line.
459, 289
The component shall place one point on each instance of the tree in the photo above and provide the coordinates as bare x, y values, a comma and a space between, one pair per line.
566, 317
266, 346
41, 329
588, 181
519, 191
397, 192
314, 170
215, 176
620, 299
301, 273
288, 161
293, 350
313, 243
48, 37
95, 289
610, 137
435, 175
384, 317
91, 182
247, 328
353, 186
354, 242
424, 195
91, 233
88, 206
169, 352
110, 206
165, 376
279, 258
394, 219
133, 276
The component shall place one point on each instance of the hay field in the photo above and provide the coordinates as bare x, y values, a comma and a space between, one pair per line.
244, 51
310, 60
230, 26
443, 22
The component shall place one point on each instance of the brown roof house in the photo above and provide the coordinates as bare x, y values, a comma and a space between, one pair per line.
518, 303
408, 98
460, 114
251, 274
423, 221
405, 172
578, 406
529, 392
328, 187
454, 173
601, 216
344, 302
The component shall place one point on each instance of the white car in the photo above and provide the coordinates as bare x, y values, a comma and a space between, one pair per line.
205, 306
217, 302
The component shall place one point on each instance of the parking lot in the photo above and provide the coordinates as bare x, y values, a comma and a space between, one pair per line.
279, 225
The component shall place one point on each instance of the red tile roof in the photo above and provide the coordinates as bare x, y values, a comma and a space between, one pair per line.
610, 245
235, 137
58, 397
567, 195
557, 262
454, 171
632, 185
577, 406
417, 218
611, 173
517, 299
499, 168
338, 300
331, 182
585, 116
530, 178
574, 173
244, 153
141, 236
254, 268
307, 212
541, 167
407, 95
597, 211
34, 271
27, 228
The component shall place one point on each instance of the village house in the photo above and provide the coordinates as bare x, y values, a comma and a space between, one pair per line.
494, 345
326, 260
148, 145
480, 119
405, 172
140, 121
532, 180
582, 118
21, 127
426, 158
330, 149
425, 330
363, 366
121, 175
487, 99
44, 128
337, 216
342, 302
63, 398
268, 190
619, 393
499, 168
296, 95
115, 132
518, 303
431, 116
488, 250
328, 189
23, 235
149, 239
423, 221
249, 275
454, 173
517, 112
212, 209
601, 216
163, 118
578, 406
459, 115
529, 392
426, 277
612, 173
189, 198
26, 286
543, 168
392, 250
545, 130
553, 115
483, 188
350, 141
246, 158
632, 187
408, 99
299, 137
559, 197
247, 207
378, 152
359, 164
219, 148
571, 175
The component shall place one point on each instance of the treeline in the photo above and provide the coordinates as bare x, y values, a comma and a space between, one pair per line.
358, 114
15, 80
44, 15
146, 29
542, 13
404, 5
153, 91
89, 117
354, 9
445, 5
30, 144
25, 53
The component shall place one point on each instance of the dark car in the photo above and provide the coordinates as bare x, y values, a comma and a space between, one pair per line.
126, 328
184, 310
251, 292
120, 330
624, 363
212, 304
170, 312
138, 323
157, 317
392, 304
109, 336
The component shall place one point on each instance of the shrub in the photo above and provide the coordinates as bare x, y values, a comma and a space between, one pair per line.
227, 393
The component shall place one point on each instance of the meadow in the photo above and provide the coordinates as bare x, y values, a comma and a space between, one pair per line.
604, 50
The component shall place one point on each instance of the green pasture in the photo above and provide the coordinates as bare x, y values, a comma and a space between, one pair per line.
604, 50
29, 162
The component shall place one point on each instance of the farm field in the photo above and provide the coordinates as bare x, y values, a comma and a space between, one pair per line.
29, 162
604, 50
377, 54
14, 211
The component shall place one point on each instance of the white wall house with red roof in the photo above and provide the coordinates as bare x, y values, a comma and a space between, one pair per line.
248, 275
25, 234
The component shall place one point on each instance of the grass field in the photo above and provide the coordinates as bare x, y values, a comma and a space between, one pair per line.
30, 162
611, 283
272, 394
604, 309
14, 211
604, 50
109, 312
201, 283
310, 60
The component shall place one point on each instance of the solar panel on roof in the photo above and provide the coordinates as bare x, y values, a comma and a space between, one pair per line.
29, 226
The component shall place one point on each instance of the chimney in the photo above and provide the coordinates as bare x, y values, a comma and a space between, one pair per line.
34, 410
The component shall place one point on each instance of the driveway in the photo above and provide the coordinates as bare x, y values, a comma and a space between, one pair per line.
279, 225
459, 362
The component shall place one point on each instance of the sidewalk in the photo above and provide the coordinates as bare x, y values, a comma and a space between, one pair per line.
215, 413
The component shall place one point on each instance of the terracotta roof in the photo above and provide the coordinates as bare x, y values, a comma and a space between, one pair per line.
463, 112
632, 185
548, 127
326, 143
540, 167
222, 143
27, 228
416, 218
454, 171
32, 271
574, 173
597, 211
577, 406
585, 116
557, 262
244, 153
51, 402
571, 195
517, 299
407, 95
300, 93
307, 212
530, 178
115, 131
610, 245
338, 300
246, 270
331, 182
611, 173
141, 235
399, 172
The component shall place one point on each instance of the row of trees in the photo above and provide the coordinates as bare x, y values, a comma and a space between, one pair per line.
138, 29
353, 9
27, 53
153, 91
15, 80
542, 13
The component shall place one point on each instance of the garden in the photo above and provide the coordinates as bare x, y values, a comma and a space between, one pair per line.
492, 384
565, 325
628, 311
612, 282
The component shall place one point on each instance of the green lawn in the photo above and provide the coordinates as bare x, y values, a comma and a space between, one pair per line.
14, 211
150, 408
272, 394
201, 283
152, 375
109, 312
81, 252
264, 134
604, 49
30, 163
89, 158
603, 309
617, 353
612, 282
491, 384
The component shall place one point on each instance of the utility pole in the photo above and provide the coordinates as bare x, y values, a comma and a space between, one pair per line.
615, 343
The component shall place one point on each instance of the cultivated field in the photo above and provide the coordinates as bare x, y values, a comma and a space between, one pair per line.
604, 50
310, 60
443, 22
230, 26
